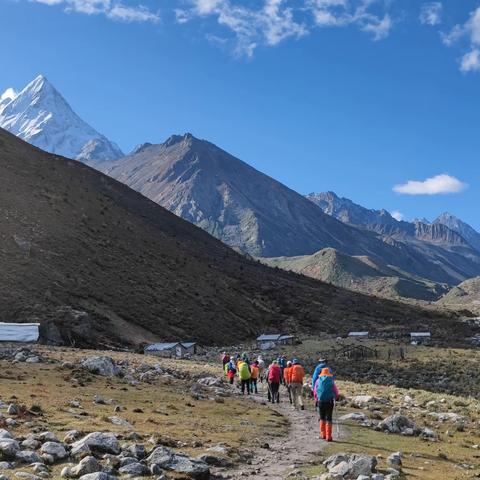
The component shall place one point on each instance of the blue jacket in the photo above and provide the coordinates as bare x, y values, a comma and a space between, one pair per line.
317, 372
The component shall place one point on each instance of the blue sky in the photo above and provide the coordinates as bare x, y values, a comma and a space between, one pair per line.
354, 96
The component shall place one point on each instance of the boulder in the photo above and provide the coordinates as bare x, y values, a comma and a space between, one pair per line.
9, 447
12, 409
98, 476
101, 366
164, 458
56, 450
86, 466
137, 450
135, 470
355, 416
71, 436
5, 434
30, 443
397, 424
447, 417
428, 434
350, 466
210, 381
96, 442
121, 422
395, 460
48, 437
6, 466
28, 456
215, 461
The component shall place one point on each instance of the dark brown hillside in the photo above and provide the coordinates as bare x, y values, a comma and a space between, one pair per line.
98, 264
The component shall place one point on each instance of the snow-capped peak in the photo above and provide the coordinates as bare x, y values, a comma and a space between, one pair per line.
7, 96
41, 116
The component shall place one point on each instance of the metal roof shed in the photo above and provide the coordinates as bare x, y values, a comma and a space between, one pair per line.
19, 332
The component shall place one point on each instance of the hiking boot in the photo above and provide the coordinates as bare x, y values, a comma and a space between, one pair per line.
323, 431
302, 408
328, 430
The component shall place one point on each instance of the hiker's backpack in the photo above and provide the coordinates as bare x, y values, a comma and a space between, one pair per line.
244, 371
325, 392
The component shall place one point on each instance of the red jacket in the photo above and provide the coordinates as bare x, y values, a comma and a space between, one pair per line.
274, 374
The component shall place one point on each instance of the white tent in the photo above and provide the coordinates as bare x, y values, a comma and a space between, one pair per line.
19, 332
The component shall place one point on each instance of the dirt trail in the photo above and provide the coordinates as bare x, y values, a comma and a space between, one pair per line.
286, 453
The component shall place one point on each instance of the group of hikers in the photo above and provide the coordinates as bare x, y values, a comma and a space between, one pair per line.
291, 374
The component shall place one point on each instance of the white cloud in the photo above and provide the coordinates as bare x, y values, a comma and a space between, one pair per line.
431, 13
397, 215
113, 10
270, 24
432, 186
471, 61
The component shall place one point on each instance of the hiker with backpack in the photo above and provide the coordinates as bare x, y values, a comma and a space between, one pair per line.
326, 393
286, 379
254, 373
261, 368
274, 378
296, 377
231, 371
244, 374
225, 358
282, 362
322, 363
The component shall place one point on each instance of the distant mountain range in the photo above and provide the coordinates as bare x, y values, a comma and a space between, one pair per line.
98, 264
243, 207
361, 274
41, 116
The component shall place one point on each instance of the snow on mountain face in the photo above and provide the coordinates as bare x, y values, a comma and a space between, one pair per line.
42, 117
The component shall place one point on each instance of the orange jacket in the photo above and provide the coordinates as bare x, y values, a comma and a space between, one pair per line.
297, 374
254, 370
286, 374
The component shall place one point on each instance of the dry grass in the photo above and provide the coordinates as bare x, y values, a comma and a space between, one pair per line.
167, 409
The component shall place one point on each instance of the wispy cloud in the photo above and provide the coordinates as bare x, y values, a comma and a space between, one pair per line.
431, 13
436, 185
470, 62
273, 21
470, 30
111, 9
397, 215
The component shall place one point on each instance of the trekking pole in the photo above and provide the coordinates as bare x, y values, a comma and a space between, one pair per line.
335, 420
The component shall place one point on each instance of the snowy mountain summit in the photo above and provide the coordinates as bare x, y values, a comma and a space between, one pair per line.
41, 116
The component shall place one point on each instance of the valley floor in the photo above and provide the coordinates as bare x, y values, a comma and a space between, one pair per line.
174, 409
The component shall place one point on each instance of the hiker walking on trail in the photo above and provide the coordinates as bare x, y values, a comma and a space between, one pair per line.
244, 375
322, 363
296, 377
261, 368
231, 371
254, 373
282, 362
225, 358
286, 378
326, 393
274, 379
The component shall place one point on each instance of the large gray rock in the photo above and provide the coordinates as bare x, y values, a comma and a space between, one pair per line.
9, 447
350, 466
98, 476
5, 434
96, 442
135, 470
101, 365
56, 450
28, 456
398, 424
163, 458
85, 466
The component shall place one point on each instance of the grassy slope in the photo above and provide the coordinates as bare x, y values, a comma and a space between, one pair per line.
72, 238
